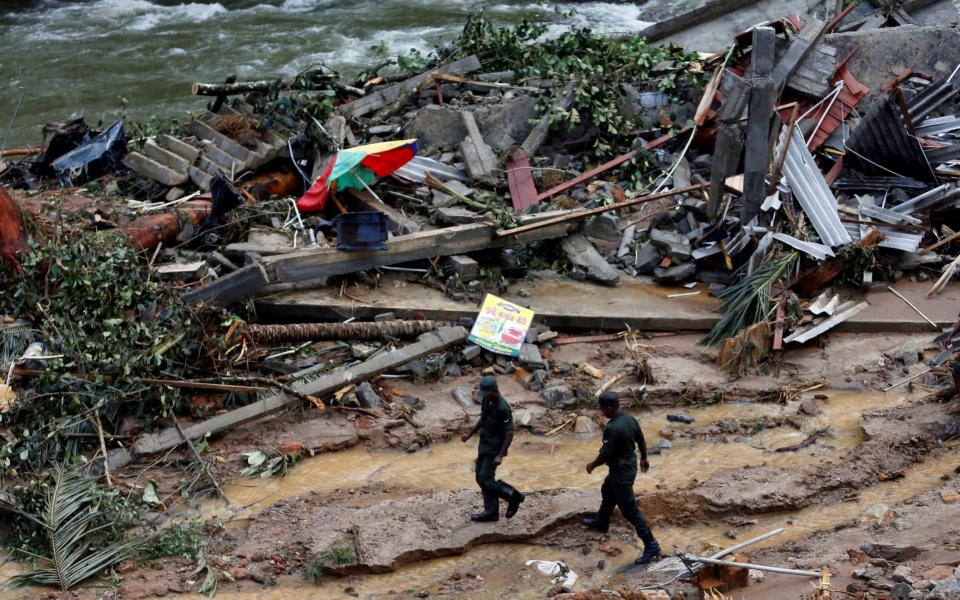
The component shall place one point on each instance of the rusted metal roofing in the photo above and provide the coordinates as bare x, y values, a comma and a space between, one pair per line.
848, 98
881, 145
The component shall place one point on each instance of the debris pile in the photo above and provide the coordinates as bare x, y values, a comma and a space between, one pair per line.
767, 176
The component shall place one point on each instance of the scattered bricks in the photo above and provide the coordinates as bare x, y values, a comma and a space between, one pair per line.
464, 266
676, 244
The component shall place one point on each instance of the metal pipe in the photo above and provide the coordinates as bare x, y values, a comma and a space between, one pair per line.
749, 542
730, 563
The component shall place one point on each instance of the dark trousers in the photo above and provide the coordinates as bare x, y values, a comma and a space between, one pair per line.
620, 495
487, 474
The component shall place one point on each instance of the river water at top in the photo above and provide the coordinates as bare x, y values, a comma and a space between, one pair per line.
91, 58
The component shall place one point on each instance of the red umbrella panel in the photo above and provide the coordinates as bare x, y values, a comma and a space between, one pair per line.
357, 168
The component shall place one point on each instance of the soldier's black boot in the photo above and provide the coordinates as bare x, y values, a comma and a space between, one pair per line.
595, 524
491, 509
651, 550
513, 497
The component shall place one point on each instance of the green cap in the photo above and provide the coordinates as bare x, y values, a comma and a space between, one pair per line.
488, 383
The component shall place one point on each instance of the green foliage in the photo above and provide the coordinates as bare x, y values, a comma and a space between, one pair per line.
262, 465
748, 301
598, 66
186, 539
93, 303
76, 535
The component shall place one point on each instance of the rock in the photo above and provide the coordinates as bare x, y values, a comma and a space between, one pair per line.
453, 370
680, 419
809, 407
367, 396
910, 354
463, 395
436, 128
530, 357
291, 448
454, 215
948, 589
646, 258
868, 574
901, 591
538, 380
903, 574
585, 426
949, 496
471, 352
664, 444
418, 368
890, 551
442, 200
677, 245
556, 395
508, 123
583, 254
546, 336
604, 227
414, 402
676, 274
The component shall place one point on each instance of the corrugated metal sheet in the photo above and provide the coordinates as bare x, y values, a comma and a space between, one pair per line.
933, 96
945, 154
943, 194
886, 215
818, 251
844, 311
418, 167
881, 145
938, 125
811, 190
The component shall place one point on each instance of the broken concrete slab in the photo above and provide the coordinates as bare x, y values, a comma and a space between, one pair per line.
646, 258
464, 266
182, 271
436, 128
676, 274
603, 227
427, 343
583, 254
677, 245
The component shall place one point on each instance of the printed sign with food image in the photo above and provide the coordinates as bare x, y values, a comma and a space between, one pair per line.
501, 326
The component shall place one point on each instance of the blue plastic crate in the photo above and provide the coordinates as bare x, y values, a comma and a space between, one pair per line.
362, 231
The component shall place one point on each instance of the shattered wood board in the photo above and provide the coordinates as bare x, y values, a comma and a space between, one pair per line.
557, 302
566, 304
523, 190
328, 383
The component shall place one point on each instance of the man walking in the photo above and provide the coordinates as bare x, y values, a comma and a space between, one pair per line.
496, 434
620, 436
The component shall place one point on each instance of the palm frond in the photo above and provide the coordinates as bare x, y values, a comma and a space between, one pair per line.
748, 301
70, 515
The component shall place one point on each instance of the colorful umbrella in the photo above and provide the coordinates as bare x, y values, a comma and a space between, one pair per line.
357, 168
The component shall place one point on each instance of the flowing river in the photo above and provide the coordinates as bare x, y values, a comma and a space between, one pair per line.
104, 58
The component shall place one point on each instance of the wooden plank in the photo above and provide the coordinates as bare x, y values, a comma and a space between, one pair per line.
727, 150
379, 99
797, 52
763, 99
317, 264
523, 190
711, 10
538, 135
427, 343
231, 288
477, 154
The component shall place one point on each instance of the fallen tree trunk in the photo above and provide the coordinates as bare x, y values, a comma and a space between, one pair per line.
427, 344
13, 233
148, 231
368, 330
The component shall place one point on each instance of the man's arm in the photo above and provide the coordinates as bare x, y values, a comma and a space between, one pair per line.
642, 444
506, 418
606, 451
503, 450
599, 460
472, 431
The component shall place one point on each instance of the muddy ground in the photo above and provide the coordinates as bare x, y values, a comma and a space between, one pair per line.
390, 499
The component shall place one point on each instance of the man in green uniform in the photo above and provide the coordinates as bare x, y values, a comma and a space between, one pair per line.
620, 436
496, 434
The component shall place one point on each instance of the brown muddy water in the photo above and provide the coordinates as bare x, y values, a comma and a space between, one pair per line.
542, 463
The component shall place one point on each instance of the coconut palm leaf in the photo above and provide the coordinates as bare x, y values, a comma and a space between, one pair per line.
70, 514
748, 301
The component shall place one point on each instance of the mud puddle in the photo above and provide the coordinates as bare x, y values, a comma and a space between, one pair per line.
490, 571
540, 463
